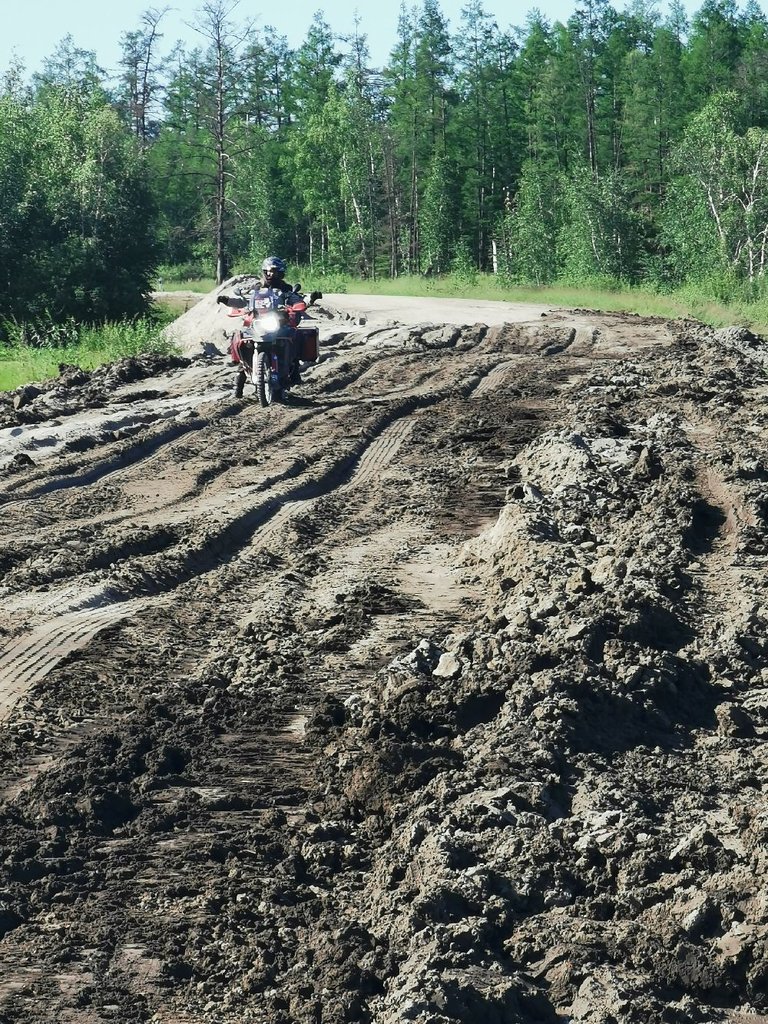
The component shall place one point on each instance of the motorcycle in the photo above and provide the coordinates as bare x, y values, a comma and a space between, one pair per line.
272, 342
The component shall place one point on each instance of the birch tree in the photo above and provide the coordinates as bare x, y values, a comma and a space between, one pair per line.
726, 170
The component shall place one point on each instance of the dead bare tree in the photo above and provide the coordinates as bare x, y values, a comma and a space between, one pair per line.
141, 74
223, 95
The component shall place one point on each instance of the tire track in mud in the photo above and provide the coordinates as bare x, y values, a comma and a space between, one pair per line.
344, 674
495, 378
143, 452
354, 369
80, 473
27, 660
365, 460
374, 459
59, 741
113, 463
222, 544
274, 762
69, 717
722, 588
363, 366
266, 770
381, 452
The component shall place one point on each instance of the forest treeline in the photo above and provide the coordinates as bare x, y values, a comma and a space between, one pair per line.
618, 146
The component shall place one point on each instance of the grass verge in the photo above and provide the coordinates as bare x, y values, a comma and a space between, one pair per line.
188, 284
21, 362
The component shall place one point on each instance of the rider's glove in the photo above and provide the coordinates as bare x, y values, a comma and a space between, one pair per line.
222, 298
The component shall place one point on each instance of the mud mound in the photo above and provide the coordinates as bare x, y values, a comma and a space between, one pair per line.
75, 389
437, 693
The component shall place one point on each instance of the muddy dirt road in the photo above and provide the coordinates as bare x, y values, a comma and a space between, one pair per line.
438, 693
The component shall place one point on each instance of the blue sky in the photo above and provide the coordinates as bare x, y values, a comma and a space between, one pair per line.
32, 29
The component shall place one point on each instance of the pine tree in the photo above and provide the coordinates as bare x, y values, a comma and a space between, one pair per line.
533, 65
181, 166
751, 77
400, 155
486, 134
439, 216
587, 29
265, 64
418, 86
314, 66
70, 67
713, 51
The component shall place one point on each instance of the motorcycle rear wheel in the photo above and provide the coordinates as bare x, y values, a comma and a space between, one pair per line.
265, 388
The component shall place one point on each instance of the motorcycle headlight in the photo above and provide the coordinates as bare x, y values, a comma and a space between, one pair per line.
269, 322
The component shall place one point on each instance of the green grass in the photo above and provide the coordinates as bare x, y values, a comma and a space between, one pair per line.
22, 363
190, 276
13, 372
185, 284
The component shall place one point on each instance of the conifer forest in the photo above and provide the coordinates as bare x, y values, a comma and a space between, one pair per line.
618, 146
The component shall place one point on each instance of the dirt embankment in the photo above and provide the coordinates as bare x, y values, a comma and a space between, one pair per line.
437, 693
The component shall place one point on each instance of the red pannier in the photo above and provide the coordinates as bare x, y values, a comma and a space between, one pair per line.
309, 338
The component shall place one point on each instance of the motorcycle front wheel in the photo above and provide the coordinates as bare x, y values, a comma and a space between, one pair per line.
265, 387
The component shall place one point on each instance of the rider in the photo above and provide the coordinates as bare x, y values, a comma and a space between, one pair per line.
273, 276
